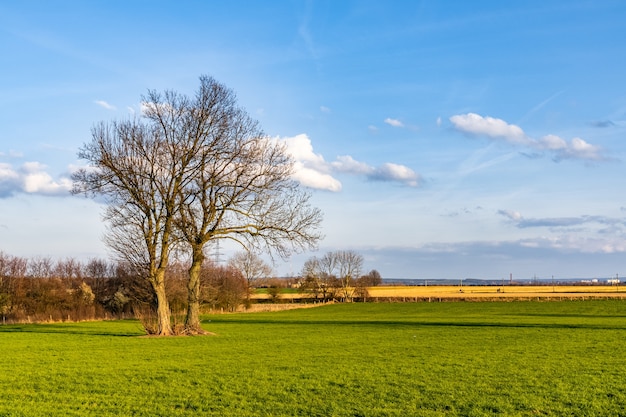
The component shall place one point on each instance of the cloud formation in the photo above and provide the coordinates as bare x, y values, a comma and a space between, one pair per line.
31, 178
312, 170
105, 105
498, 129
523, 223
394, 122
602, 234
602, 123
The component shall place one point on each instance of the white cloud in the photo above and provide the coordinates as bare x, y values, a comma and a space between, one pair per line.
394, 122
31, 178
312, 178
494, 128
438, 121
578, 148
348, 164
324, 109
394, 172
489, 126
553, 143
301, 149
386, 172
312, 170
105, 105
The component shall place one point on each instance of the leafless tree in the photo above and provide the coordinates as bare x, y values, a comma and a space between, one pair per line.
13, 266
98, 269
193, 170
41, 267
241, 187
139, 168
337, 269
68, 268
372, 279
252, 267
349, 266
319, 279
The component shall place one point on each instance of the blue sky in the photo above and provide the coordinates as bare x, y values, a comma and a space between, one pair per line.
441, 139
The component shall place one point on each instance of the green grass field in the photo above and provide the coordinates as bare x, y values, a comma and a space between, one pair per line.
422, 359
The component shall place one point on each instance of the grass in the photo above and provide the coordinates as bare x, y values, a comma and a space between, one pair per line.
421, 359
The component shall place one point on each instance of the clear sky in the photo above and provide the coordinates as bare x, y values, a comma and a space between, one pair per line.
447, 139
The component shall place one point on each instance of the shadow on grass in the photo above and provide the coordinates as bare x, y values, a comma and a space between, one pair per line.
570, 315
418, 323
73, 329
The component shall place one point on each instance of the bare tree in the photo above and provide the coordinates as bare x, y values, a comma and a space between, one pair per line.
338, 270
319, 279
98, 269
372, 279
349, 265
41, 267
197, 169
68, 268
241, 187
138, 167
252, 267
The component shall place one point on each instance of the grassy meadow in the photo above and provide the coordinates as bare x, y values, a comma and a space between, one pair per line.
408, 359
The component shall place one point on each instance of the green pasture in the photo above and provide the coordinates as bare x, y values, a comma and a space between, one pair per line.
417, 359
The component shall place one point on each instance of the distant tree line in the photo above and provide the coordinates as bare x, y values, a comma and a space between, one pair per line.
43, 289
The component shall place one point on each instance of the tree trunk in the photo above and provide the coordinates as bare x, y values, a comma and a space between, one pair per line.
164, 326
192, 321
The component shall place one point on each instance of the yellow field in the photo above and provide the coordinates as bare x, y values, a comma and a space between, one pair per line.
523, 291
435, 292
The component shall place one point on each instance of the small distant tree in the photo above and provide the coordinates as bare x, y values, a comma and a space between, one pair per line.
335, 272
372, 279
274, 291
318, 278
349, 265
360, 289
252, 267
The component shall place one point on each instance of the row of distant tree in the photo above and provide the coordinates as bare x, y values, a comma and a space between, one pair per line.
45, 289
